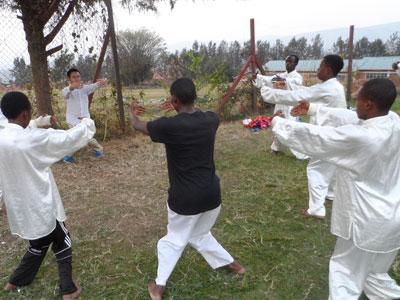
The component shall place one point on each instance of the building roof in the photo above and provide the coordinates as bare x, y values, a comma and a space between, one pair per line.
382, 63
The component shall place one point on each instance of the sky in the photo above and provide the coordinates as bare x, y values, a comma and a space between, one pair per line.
205, 20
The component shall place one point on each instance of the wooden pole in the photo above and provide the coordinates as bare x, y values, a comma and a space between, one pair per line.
253, 64
100, 61
120, 102
350, 66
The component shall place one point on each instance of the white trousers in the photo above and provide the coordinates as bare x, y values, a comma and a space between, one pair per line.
352, 270
195, 231
320, 177
92, 142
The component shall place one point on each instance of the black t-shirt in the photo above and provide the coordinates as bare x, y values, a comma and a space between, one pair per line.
189, 142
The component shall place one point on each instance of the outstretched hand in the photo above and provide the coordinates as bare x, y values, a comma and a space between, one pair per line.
301, 109
102, 82
167, 106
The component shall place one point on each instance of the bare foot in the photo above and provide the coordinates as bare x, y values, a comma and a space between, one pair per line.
74, 295
236, 268
155, 291
10, 287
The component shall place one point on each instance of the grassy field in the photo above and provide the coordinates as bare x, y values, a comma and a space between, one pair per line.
116, 209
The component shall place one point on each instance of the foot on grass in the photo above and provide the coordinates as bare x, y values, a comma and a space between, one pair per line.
74, 295
235, 268
155, 291
10, 287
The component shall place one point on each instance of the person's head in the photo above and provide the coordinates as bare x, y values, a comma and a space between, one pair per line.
329, 67
291, 62
17, 108
183, 93
74, 76
375, 98
395, 65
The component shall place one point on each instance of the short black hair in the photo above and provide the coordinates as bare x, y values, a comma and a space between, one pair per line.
71, 71
395, 65
381, 91
335, 62
296, 58
184, 90
14, 103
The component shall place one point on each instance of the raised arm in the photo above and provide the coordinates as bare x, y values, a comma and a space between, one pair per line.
135, 112
49, 145
338, 146
277, 96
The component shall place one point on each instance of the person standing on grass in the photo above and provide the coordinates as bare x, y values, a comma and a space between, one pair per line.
194, 197
77, 102
366, 210
330, 92
33, 205
290, 80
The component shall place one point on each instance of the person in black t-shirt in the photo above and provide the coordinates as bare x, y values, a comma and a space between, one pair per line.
194, 196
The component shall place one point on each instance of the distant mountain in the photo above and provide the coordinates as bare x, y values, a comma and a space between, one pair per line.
329, 36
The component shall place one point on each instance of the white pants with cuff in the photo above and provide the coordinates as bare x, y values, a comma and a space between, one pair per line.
195, 231
92, 142
320, 175
352, 271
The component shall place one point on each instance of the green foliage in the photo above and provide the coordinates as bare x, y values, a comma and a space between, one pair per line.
21, 72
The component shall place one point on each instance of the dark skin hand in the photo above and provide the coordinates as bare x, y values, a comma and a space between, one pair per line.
135, 111
301, 109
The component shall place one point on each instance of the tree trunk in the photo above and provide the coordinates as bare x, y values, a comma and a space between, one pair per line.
37, 53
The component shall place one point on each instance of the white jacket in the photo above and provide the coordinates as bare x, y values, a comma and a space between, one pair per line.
30, 193
367, 198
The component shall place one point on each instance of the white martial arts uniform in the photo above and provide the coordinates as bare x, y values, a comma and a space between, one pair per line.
366, 210
195, 231
320, 174
293, 80
77, 103
30, 193
42, 121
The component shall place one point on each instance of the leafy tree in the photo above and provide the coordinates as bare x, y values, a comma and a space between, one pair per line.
21, 72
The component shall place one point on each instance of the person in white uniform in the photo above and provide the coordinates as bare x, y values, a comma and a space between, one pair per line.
290, 80
194, 197
366, 210
329, 92
34, 208
77, 102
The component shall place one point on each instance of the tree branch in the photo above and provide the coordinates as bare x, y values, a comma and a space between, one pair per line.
52, 8
54, 50
50, 37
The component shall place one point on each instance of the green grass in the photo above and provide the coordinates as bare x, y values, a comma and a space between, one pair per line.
286, 255
396, 105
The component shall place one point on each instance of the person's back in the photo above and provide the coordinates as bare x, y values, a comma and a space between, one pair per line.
189, 140
194, 197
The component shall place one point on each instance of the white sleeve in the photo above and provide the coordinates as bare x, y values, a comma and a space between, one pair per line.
341, 146
263, 80
50, 146
294, 83
90, 88
286, 97
42, 121
329, 116
66, 93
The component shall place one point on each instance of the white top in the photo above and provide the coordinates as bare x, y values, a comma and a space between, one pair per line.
398, 69
3, 119
293, 80
78, 103
367, 196
329, 93
30, 193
